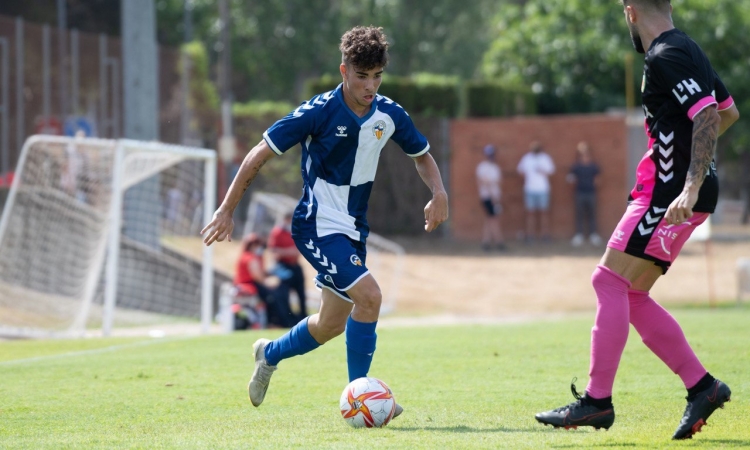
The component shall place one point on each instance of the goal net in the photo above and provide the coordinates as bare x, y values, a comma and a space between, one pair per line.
385, 258
91, 224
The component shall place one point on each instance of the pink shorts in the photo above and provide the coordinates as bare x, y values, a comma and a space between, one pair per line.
642, 232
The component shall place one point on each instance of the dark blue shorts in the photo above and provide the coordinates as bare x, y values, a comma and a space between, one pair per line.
340, 261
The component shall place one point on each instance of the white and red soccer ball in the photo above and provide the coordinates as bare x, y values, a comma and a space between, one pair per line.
367, 402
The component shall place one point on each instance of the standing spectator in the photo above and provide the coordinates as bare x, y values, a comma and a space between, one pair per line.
489, 177
536, 166
583, 174
281, 245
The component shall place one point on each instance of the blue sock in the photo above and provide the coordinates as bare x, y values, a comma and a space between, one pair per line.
296, 341
360, 345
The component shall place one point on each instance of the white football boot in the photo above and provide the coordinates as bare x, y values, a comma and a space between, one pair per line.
261, 375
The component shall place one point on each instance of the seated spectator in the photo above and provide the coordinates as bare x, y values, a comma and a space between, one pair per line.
287, 268
250, 280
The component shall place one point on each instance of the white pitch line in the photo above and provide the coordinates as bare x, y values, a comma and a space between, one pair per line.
95, 351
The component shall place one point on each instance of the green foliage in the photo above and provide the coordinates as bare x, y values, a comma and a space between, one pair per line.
203, 93
278, 44
324, 83
261, 109
423, 94
461, 387
565, 50
495, 100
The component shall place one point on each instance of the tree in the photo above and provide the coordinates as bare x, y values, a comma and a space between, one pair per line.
565, 50
277, 44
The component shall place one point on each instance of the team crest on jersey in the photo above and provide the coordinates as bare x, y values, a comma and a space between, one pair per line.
355, 259
378, 129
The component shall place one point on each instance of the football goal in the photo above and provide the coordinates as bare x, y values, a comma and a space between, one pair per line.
385, 258
95, 227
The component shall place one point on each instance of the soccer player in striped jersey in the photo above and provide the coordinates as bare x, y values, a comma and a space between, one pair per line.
342, 133
687, 107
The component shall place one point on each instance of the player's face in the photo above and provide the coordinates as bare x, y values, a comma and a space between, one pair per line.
635, 36
360, 86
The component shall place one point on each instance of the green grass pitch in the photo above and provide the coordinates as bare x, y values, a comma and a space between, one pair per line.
461, 387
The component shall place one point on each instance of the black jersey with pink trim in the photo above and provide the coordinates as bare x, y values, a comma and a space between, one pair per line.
678, 83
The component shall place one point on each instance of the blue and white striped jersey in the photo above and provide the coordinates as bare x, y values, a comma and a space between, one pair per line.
340, 153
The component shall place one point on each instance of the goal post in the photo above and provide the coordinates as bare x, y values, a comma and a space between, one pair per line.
96, 229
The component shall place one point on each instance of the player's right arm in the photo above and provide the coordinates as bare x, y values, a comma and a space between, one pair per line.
222, 225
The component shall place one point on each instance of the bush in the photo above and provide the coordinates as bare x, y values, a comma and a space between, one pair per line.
262, 109
487, 99
422, 94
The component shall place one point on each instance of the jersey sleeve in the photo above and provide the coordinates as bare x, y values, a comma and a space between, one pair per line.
691, 85
411, 141
721, 93
293, 128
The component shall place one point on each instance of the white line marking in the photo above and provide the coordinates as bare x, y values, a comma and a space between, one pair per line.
112, 348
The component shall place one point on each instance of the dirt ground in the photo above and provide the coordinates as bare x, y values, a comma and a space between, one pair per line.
455, 279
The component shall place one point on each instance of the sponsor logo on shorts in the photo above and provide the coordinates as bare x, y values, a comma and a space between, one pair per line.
619, 234
355, 260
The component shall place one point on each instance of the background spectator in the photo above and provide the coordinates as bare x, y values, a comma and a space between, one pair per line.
281, 245
250, 280
583, 174
489, 177
536, 166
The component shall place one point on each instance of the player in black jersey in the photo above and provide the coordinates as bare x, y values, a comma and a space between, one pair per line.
687, 107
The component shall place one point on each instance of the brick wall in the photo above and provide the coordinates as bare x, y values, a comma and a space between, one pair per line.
559, 135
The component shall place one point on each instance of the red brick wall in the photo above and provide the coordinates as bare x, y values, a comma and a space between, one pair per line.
559, 135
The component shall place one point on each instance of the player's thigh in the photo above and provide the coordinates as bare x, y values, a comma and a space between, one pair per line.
628, 266
333, 312
647, 279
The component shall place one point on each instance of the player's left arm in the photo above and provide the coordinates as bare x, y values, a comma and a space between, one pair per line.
706, 124
727, 108
728, 117
436, 211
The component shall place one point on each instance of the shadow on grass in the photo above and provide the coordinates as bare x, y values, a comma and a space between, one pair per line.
603, 444
468, 429
733, 443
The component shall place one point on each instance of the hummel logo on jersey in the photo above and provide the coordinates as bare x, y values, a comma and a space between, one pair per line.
691, 86
342, 131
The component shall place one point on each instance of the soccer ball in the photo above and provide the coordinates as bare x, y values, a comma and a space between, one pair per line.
367, 402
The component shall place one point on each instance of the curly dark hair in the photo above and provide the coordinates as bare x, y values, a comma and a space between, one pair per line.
364, 48
657, 5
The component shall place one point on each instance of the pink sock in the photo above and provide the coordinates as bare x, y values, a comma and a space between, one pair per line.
610, 332
663, 335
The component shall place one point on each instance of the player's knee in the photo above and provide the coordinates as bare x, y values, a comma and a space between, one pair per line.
328, 330
638, 298
369, 300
